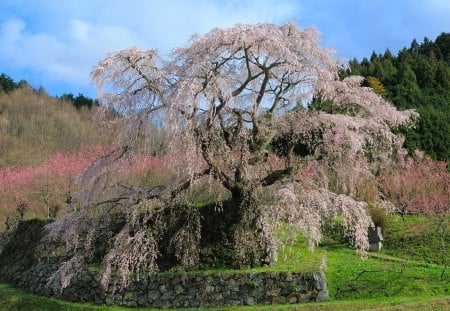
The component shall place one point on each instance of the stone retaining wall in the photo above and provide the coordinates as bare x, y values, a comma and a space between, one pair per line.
30, 265
164, 290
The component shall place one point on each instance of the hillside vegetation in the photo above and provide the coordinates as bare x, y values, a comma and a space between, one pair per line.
45, 142
417, 77
34, 125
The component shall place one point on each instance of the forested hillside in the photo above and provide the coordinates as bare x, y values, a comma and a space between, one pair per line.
417, 77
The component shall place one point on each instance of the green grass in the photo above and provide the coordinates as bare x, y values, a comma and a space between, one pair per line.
416, 238
377, 278
294, 258
16, 299
404, 303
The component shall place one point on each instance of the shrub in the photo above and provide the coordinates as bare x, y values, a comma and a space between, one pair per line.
378, 215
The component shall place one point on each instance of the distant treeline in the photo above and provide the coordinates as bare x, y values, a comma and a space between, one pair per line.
417, 77
7, 85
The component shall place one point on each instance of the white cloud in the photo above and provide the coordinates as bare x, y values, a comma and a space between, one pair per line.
61, 59
67, 38
56, 43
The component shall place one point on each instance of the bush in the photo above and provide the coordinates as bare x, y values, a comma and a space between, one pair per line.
378, 215
334, 228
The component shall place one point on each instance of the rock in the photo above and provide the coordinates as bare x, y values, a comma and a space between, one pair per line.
153, 295
319, 279
142, 300
249, 301
232, 285
178, 289
273, 292
209, 289
322, 296
258, 292
288, 277
109, 300
300, 288
168, 295
375, 239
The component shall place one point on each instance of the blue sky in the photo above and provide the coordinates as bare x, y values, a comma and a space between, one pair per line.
55, 43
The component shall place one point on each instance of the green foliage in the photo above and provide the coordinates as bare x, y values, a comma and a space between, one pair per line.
443, 43
432, 132
80, 101
418, 77
334, 229
7, 84
379, 216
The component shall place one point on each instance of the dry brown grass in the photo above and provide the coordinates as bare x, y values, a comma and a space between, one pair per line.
34, 125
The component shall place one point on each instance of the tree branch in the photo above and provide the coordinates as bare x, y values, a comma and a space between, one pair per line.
183, 186
274, 176
403, 267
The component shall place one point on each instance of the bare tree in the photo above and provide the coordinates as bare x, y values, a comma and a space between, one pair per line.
224, 99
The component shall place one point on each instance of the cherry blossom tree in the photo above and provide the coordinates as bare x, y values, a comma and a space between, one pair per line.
44, 188
419, 186
224, 99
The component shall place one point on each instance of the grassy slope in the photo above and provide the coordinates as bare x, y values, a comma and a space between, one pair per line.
377, 278
35, 125
410, 265
416, 238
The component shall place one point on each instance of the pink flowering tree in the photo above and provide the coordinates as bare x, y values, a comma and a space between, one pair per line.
224, 99
422, 187
419, 186
44, 189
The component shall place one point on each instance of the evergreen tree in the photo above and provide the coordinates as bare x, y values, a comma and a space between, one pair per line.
443, 43
442, 76
414, 48
424, 73
80, 101
7, 84
418, 77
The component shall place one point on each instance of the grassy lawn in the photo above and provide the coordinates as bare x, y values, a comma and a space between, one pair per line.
375, 278
383, 281
417, 238
15, 299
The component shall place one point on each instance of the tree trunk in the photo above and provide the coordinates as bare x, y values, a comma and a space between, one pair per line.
250, 244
